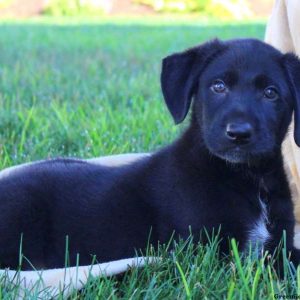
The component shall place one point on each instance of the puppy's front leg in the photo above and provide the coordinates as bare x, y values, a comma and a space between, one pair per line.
280, 217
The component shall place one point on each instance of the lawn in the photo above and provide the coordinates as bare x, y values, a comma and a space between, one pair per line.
89, 88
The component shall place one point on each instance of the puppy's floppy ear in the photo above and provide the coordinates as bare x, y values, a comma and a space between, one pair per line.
180, 75
292, 64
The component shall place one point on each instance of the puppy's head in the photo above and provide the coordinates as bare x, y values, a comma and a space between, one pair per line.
243, 92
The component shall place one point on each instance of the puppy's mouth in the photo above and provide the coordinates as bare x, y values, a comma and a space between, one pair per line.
234, 156
251, 153
238, 155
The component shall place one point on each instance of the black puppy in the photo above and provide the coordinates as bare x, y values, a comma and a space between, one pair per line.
225, 170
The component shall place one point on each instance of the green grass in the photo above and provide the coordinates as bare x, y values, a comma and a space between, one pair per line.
89, 88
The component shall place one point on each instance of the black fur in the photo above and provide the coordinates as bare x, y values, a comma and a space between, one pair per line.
211, 176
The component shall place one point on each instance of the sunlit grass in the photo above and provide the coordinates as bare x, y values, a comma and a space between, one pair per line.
186, 270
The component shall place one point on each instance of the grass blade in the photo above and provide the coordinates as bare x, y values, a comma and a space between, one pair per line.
186, 286
239, 267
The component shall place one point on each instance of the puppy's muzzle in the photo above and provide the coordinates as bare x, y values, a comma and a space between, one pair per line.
239, 133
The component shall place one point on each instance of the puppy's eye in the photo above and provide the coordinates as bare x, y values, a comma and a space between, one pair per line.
219, 86
271, 93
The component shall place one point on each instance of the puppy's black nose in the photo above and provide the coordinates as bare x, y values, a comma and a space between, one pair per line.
239, 133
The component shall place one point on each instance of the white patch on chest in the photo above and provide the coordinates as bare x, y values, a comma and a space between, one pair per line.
258, 233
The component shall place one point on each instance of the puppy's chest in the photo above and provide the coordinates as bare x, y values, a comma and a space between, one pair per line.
252, 208
258, 233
